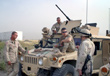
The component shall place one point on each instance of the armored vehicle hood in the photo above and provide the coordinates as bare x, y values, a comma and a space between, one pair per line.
44, 52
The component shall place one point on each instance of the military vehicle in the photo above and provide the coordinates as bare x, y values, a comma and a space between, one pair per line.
105, 69
44, 63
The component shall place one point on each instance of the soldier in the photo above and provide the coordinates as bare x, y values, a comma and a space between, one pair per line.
66, 43
56, 27
46, 32
86, 50
11, 55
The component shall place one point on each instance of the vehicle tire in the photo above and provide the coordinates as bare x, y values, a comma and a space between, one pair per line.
65, 70
20, 71
43, 72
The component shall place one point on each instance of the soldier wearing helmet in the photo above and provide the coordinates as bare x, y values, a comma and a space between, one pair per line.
46, 32
86, 49
56, 27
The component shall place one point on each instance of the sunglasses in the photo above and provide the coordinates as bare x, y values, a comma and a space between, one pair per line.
64, 32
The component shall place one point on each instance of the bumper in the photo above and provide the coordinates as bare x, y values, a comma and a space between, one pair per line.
30, 69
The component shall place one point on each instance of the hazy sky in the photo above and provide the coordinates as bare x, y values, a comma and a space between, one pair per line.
30, 16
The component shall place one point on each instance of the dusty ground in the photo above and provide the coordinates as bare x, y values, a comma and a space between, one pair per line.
2, 73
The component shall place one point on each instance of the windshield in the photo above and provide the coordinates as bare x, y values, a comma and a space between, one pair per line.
50, 42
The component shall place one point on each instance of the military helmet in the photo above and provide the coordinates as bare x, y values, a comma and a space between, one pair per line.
85, 32
45, 30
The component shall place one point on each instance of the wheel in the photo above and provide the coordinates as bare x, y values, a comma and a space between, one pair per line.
43, 72
20, 71
65, 70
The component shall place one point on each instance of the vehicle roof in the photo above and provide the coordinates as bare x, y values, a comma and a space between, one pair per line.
100, 37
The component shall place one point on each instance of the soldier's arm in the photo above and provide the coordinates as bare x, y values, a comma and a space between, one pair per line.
82, 56
20, 48
53, 27
67, 40
6, 51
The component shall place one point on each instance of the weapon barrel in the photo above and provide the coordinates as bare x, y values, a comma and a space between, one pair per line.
63, 13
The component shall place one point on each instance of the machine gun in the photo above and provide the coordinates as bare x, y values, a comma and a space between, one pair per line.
72, 24
63, 13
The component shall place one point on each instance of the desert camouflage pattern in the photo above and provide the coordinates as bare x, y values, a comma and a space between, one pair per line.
11, 51
86, 47
56, 27
13, 69
67, 47
11, 54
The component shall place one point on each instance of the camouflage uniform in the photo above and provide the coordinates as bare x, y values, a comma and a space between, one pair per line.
67, 47
11, 54
86, 47
56, 27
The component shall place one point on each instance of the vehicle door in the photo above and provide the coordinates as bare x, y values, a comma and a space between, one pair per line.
106, 51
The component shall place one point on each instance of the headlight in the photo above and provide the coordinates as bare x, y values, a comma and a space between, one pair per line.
22, 59
40, 61
104, 71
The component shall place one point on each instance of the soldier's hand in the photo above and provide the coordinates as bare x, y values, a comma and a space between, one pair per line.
61, 43
54, 31
19, 53
77, 46
80, 72
9, 63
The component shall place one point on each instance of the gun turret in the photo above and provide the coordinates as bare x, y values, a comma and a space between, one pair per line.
63, 13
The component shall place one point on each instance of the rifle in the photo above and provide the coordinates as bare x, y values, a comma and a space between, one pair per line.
63, 13
88, 58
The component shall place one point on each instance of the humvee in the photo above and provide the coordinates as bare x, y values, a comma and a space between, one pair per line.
105, 69
43, 63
